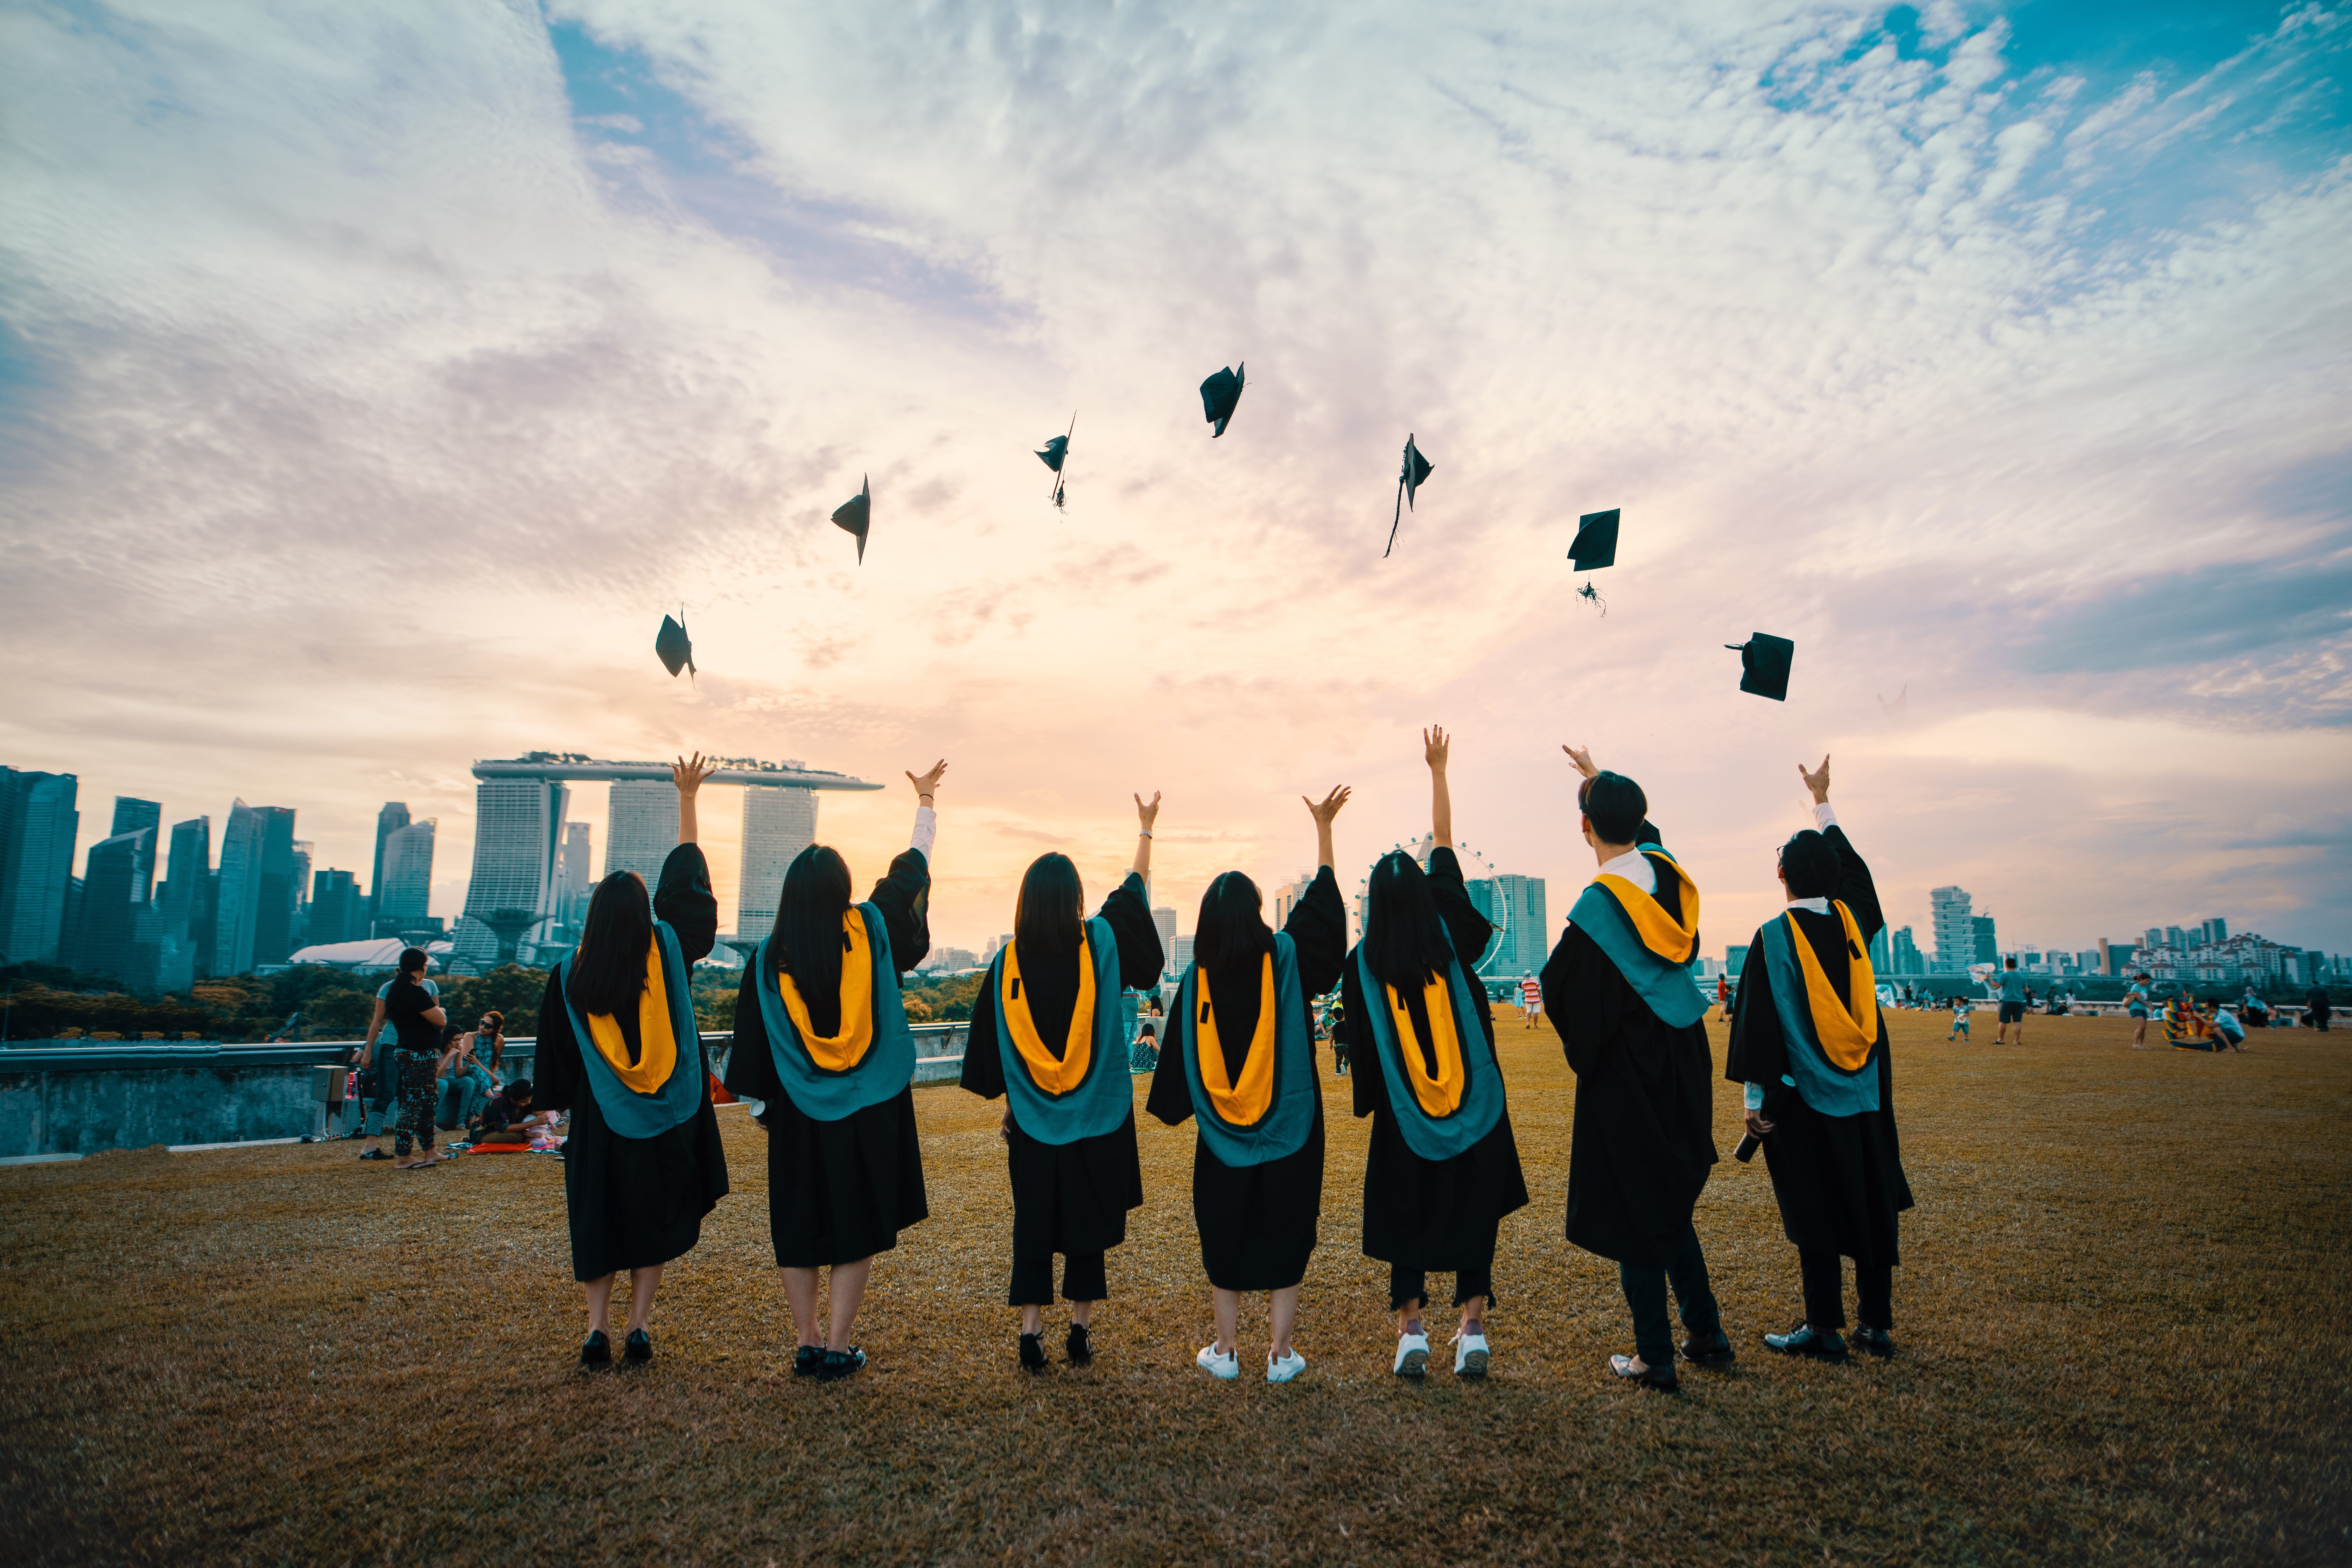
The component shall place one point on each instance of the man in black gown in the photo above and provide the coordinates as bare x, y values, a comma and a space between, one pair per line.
1828, 1127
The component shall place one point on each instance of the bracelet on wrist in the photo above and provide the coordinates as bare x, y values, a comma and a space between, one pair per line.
1143, 832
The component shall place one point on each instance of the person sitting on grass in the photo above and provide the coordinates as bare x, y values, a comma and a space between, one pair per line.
2227, 1030
508, 1118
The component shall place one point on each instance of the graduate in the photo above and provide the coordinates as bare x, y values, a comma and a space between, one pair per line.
825, 1057
1240, 1061
1632, 1022
1808, 1043
1442, 1168
1049, 1035
619, 1048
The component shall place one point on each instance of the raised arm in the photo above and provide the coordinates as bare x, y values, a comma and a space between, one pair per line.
1145, 815
927, 789
1323, 814
688, 775
1434, 747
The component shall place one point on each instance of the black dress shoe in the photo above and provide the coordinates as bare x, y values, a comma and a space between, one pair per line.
1080, 1349
838, 1364
1708, 1349
1033, 1351
1822, 1344
1874, 1342
639, 1348
596, 1350
1661, 1378
805, 1359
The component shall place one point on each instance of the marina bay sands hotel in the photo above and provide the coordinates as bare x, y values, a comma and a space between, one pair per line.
524, 866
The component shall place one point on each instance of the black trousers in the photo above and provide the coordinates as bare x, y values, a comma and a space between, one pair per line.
1645, 1293
1083, 1280
1407, 1286
1824, 1274
418, 1089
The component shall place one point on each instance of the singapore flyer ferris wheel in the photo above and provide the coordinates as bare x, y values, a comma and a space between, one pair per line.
1480, 874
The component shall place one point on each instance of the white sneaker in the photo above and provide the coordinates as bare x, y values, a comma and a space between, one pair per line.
1285, 1369
1470, 1356
1412, 1355
1225, 1367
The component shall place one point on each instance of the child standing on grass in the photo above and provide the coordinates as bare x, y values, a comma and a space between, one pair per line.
1960, 1019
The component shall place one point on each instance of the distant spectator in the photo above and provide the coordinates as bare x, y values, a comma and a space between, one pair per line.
418, 1020
469, 1079
2135, 1001
1959, 1030
2013, 998
2227, 1030
508, 1117
2318, 1002
1144, 1055
379, 1083
2254, 1009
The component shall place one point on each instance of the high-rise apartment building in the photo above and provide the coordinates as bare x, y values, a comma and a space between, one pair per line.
1516, 906
1988, 945
640, 828
1954, 930
1735, 959
2174, 936
404, 885
778, 822
130, 815
1903, 948
1880, 953
38, 823
518, 834
2216, 930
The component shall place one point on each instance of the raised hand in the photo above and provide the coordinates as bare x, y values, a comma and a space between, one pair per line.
928, 784
1146, 815
1818, 782
687, 774
1434, 747
1324, 813
1582, 759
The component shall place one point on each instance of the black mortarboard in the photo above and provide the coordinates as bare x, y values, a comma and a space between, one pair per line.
1596, 541
1765, 661
1219, 395
857, 514
1409, 479
1056, 453
677, 650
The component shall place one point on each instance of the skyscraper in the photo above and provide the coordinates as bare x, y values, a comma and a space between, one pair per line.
641, 827
1515, 905
104, 942
575, 873
254, 920
337, 913
2177, 939
389, 819
1988, 945
778, 822
1955, 931
184, 937
517, 832
130, 815
2216, 931
1881, 953
38, 824
405, 884
1904, 951
1165, 918
303, 848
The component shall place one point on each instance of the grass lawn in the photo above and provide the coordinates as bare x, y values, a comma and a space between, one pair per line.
2121, 1323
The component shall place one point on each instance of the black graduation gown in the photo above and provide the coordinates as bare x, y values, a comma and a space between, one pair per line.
1839, 1179
1643, 1137
1070, 1198
1257, 1223
839, 1190
1437, 1215
634, 1203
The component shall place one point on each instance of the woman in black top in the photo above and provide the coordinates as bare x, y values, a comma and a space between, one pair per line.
635, 1202
416, 1018
1070, 1194
1421, 1214
1257, 1223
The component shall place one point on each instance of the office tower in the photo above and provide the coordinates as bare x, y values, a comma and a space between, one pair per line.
1905, 950
640, 828
1987, 946
38, 824
1881, 953
130, 815
1286, 897
517, 833
1514, 904
301, 875
106, 928
1955, 932
778, 822
2217, 931
405, 884
389, 819
1165, 918
1183, 952
253, 922
337, 912
1733, 960
184, 906
575, 873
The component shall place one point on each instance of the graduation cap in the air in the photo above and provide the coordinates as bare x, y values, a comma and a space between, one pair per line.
857, 514
1219, 395
1596, 541
676, 648
1416, 469
1764, 661
1056, 453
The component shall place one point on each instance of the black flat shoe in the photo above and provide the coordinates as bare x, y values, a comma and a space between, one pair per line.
838, 1364
806, 1361
596, 1350
639, 1349
1822, 1344
375, 1154
1874, 1342
1033, 1351
1708, 1349
1661, 1378
1080, 1348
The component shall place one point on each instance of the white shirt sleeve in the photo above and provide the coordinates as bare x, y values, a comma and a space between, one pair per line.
1824, 818
926, 824
1755, 1097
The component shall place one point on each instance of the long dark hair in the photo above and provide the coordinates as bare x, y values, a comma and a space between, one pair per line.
608, 971
413, 963
1052, 907
808, 920
1404, 942
1232, 929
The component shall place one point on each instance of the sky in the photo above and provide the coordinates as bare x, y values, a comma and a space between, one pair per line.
374, 376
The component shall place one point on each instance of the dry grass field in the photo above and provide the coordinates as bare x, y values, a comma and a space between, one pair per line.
2121, 1324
